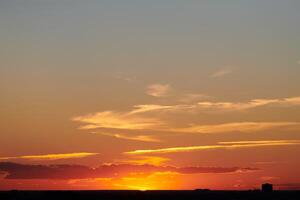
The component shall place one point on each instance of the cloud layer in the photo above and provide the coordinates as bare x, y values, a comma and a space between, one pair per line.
21, 171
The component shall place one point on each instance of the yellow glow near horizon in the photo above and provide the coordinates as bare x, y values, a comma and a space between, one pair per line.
155, 181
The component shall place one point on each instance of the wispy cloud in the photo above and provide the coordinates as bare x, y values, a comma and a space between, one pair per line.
221, 73
158, 90
52, 156
220, 145
117, 120
132, 120
143, 138
144, 118
138, 118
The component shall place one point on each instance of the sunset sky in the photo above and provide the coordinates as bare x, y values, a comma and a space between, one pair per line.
143, 95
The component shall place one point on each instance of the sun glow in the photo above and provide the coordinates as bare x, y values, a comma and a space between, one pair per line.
155, 181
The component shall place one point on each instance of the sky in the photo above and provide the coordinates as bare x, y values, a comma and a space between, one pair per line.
148, 95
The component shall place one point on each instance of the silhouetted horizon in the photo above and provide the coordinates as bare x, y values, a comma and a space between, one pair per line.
155, 194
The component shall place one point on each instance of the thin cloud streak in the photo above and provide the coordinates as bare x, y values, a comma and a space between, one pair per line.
151, 108
238, 106
235, 127
260, 142
52, 156
220, 145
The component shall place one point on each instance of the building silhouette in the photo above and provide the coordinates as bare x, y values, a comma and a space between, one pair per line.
266, 187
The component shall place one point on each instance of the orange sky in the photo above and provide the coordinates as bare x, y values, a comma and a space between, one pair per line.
149, 95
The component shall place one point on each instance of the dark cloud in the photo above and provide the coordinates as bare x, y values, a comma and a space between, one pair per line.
195, 170
289, 186
3, 174
23, 171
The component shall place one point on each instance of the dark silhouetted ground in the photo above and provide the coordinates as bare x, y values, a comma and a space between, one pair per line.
153, 195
